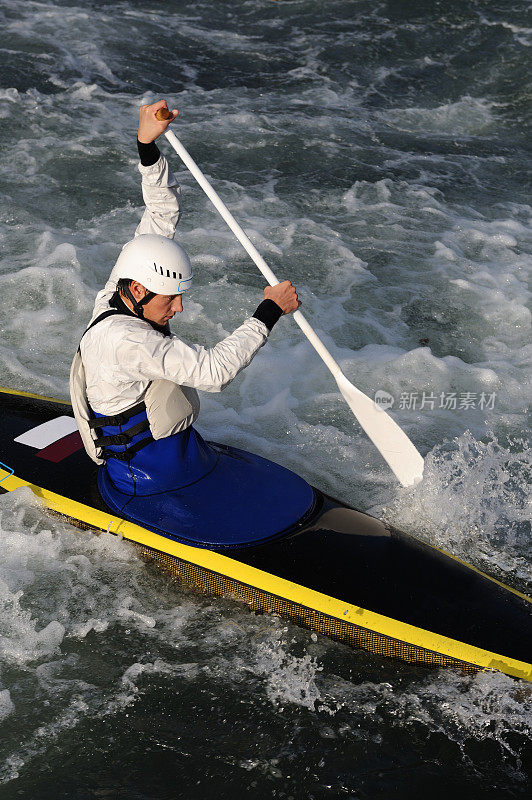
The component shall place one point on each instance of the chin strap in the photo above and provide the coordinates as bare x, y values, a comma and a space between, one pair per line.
117, 302
137, 304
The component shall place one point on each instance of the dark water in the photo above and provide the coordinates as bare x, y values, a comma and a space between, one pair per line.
377, 155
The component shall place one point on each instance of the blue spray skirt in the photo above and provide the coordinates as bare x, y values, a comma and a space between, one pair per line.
243, 500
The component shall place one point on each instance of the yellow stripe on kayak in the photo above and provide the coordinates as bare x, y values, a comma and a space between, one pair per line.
275, 586
4, 390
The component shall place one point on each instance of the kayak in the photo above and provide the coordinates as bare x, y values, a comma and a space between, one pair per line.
256, 532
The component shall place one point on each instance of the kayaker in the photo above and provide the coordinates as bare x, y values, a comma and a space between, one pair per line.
133, 383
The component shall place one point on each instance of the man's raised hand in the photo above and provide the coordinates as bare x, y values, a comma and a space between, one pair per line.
150, 126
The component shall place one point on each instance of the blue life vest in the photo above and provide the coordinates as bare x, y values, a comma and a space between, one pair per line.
140, 465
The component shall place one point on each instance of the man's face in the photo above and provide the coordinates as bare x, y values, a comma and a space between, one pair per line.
161, 308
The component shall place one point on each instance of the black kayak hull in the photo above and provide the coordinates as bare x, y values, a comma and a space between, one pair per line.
340, 572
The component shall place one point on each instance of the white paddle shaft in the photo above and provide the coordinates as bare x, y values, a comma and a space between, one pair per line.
392, 442
250, 248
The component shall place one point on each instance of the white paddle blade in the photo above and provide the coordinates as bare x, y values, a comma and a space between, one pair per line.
392, 443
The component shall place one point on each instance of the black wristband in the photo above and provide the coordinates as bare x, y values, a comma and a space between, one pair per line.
148, 153
268, 312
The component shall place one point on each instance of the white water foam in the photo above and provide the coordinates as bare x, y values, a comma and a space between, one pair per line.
61, 592
475, 502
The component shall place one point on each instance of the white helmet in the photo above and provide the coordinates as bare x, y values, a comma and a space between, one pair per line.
158, 263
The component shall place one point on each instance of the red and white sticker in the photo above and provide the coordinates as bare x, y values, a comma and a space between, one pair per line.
55, 439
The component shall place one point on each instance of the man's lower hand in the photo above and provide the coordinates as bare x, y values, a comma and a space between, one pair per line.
285, 295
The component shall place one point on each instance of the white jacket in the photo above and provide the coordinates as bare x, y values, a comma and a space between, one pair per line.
122, 354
